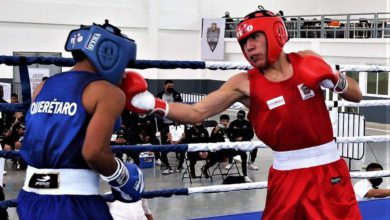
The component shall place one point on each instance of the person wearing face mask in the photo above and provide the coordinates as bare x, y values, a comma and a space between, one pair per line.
168, 94
369, 188
241, 130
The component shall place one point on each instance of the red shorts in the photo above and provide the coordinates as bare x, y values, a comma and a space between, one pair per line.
319, 192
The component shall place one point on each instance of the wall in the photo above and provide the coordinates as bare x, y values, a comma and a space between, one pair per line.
42, 25
165, 29
379, 114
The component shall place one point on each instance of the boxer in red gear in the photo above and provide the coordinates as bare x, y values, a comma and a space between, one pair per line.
308, 179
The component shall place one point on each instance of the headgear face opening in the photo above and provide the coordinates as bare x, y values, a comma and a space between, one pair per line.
105, 47
270, 25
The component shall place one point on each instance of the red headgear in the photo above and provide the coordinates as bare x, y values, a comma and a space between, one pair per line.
268, 23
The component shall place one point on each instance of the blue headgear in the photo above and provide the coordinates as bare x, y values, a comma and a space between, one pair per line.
105, 47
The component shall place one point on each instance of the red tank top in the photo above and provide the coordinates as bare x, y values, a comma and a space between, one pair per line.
286, 115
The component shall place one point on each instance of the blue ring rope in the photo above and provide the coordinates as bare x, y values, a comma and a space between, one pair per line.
120, 149
109, 197
68, 62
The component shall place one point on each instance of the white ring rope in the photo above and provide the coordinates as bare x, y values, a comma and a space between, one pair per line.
361, 139
227, 188
250, 145
363, 103
264, 184
343, 68
228, 65
332, 104
365, 68
370, 174
213, 147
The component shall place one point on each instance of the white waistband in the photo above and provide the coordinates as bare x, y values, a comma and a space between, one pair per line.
70, 181
307, 157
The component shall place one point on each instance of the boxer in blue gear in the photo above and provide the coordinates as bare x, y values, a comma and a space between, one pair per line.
68, 130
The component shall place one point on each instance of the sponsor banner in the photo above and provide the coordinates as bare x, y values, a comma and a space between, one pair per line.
213, 44
36, 75
6, 91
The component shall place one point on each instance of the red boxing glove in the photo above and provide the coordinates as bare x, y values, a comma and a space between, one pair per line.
138, 99
315, 71
132, 84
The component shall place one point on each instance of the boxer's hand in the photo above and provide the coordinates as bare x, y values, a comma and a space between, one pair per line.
127, 182
132, 84
315, 71
148, 102
138, 99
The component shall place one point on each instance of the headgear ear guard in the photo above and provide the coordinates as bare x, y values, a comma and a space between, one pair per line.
105, 47
268, 23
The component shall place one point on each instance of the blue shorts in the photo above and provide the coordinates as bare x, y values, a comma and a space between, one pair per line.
61, 207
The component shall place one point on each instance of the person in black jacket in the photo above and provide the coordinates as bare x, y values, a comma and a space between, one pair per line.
229, 25
196, 134
241, 130
169, 94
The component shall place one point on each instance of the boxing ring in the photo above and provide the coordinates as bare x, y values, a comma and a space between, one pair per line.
371, 209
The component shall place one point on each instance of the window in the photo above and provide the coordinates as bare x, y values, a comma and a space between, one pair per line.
353, 75
378, 83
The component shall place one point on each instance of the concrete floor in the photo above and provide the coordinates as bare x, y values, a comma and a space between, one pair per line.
216, 204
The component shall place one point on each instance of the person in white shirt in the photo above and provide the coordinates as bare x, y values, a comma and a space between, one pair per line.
130, 211
368, 188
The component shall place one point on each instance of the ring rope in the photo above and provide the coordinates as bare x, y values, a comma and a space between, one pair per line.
329, 104
365, 68
171, 64
364, 139
243, 146
370, 174
363, 103
211, 189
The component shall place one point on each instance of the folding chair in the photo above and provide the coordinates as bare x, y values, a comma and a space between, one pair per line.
187, 171
226, 173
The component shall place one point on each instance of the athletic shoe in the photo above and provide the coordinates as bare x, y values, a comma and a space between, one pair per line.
167, 171
237, 159
253, 167
158, 162
247, 179
228, 166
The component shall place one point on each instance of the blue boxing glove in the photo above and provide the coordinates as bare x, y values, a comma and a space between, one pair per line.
127, 182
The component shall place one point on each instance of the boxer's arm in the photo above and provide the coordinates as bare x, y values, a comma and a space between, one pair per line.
353, 92
378, 193
230, 92
104, 103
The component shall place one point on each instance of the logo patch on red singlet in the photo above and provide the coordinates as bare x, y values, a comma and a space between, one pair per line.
275, 102
335, 180
306, 93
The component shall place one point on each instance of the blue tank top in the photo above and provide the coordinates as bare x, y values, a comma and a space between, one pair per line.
56, 123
